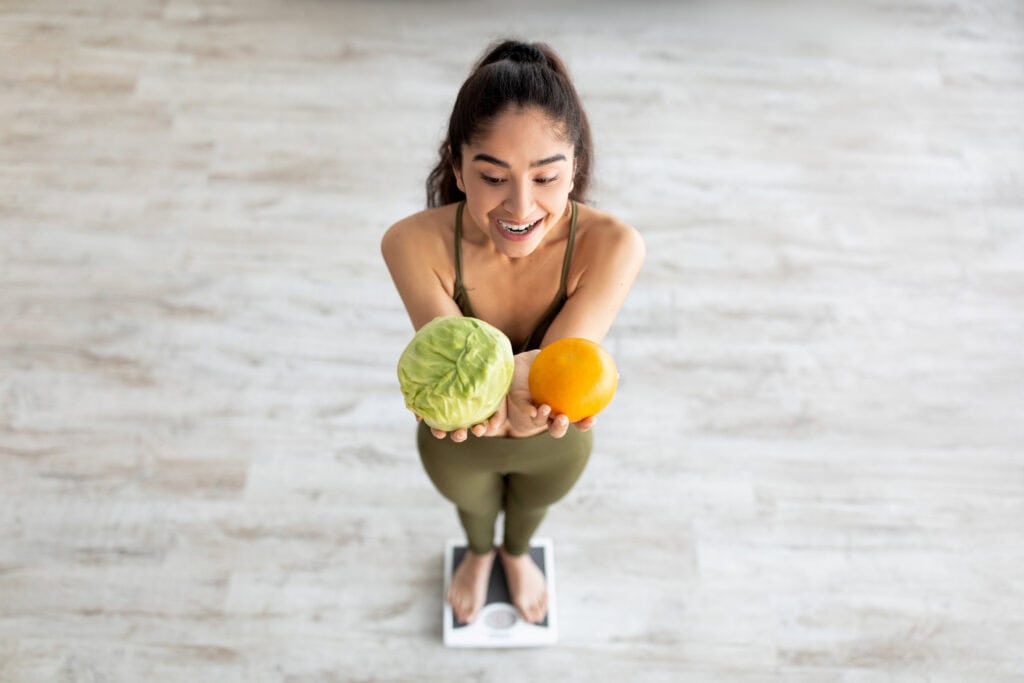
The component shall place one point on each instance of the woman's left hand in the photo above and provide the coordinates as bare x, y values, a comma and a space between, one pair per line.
558, 424
524, 417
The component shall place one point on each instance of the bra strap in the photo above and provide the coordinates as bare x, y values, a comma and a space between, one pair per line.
567, 259
458, 246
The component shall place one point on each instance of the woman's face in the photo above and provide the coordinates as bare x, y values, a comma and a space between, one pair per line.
517, 178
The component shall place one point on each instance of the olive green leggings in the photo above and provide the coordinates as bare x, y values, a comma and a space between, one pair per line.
485, 475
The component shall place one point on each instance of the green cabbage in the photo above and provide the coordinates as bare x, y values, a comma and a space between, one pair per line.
456, 372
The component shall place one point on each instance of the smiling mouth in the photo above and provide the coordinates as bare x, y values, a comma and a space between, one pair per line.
519, 228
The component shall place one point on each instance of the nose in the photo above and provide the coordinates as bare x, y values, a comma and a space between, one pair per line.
519, 203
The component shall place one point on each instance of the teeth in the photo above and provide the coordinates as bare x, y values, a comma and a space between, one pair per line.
512, 227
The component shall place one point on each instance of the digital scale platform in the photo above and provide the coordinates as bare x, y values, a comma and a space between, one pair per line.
498, 623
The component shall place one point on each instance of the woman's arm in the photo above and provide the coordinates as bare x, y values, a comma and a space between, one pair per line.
609, 260
417, 261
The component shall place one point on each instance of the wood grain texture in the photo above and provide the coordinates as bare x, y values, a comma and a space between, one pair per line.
813, 469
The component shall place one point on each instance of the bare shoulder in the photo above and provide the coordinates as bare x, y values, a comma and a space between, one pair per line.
599, 232
607, 258
424, 230
419, 252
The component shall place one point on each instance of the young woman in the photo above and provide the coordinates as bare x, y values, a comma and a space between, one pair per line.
507, 238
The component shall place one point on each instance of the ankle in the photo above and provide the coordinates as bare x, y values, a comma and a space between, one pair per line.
505, 552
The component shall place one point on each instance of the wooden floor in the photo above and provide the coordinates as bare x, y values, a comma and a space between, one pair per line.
814, 467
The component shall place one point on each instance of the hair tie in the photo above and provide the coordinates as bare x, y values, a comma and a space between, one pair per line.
520, 52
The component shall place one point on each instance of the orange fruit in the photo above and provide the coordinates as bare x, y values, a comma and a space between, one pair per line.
575, 376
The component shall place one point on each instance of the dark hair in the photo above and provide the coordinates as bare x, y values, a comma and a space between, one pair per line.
523, 74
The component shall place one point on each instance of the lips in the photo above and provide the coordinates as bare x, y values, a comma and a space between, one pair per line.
517, 227
516, 231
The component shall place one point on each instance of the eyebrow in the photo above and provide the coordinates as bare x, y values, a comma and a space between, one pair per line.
504, 164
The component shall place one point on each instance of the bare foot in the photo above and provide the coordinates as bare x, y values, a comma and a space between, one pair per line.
527, 585
468, 591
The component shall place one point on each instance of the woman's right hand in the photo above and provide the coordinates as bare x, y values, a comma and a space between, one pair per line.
492, 426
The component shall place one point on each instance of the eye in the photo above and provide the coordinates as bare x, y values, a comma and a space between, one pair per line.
545, 181
491, 180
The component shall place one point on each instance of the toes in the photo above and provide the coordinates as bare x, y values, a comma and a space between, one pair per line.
463, 607
529, 613
539, 609
457, 604
542, 610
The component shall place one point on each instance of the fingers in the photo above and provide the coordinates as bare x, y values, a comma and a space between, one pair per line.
586, 424
558, 426
460, 435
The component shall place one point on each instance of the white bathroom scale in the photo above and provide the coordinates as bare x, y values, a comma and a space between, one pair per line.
498, 623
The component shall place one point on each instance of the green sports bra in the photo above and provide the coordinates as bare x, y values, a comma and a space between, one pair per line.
461, 296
